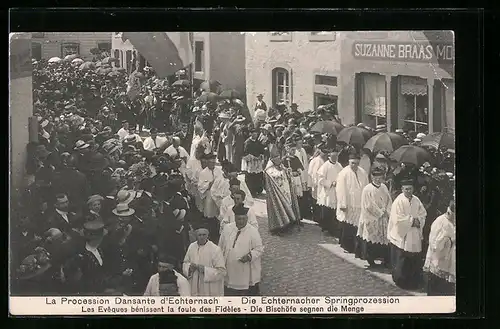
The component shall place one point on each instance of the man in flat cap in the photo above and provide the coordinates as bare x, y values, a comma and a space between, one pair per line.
204, 265
350, 183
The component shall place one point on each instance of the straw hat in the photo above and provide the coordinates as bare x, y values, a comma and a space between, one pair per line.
124, 196
80, 145
123, 210
94, 229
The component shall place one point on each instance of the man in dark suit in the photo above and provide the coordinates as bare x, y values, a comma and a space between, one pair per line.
61, 218
260, 103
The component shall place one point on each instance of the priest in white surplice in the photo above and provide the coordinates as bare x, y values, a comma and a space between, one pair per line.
237, 199
312, 179
404, 230
204, 266
350, 183
327, 196
242, 248
206, 179
305, 200
193, 169
375, 209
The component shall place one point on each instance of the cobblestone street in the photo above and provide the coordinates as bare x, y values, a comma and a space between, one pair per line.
305, 263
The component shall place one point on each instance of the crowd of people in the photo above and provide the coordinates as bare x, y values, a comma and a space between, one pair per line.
113, 208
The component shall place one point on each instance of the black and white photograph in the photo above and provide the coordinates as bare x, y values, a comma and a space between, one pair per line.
211, 164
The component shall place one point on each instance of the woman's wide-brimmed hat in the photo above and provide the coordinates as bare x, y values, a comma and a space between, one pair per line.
124, 196
94, 229
31, 268
123, 210
80, 145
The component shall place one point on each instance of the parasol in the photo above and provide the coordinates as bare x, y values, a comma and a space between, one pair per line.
439, 140
71, 57
109, 60
77, 61
181, 83
355, 136
208, 97
87, 66
327, 127
55, 60
411, 154
230, 94
385, 142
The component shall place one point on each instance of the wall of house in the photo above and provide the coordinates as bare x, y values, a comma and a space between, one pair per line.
21, 108
227, 60
300, 56
51, 42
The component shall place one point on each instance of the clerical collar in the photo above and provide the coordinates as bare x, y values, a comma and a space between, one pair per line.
377, 186
332, 161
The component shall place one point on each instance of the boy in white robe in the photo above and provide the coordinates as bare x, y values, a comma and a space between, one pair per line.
238, 199
204, 266
206, 179
228, 202
312, 181
181, 284
350, 183
375, 209
327, 196
404, 231
242, 248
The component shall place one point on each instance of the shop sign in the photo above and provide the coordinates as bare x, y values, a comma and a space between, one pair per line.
443, 53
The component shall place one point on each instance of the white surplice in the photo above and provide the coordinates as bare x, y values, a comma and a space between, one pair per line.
372, 222
206, 177
241, 275
150, 144
400, 231
228, 203
312, 173
441, 254
327, 179
153, 287
193, 169
211, 282
194, 143
349, 187
228, 217
220, 189
304, 159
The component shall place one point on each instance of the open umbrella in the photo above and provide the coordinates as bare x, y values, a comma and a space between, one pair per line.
109, 60
181, 83
55, 60
87, 66
77, 61
71, 57
210, 85
208, 97
230, 94
327, 127
385, 142
355, 136
439, 140
411, 154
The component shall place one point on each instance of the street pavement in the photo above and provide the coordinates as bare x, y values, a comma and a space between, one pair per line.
307, 262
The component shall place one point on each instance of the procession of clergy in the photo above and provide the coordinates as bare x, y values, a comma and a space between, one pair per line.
220, 254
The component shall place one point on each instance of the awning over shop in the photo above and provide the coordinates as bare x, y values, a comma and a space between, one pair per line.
413, 86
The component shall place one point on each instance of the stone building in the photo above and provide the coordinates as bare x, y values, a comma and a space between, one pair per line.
59, 44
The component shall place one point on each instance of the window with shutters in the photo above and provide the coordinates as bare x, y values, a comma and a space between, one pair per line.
281, 86
70, 48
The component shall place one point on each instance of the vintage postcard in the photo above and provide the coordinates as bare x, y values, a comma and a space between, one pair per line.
232, 172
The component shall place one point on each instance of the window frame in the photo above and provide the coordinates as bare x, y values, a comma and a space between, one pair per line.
281, 37
317, 95
40, 45
287, 88
332, 36
415, 122
70, 43
202, 57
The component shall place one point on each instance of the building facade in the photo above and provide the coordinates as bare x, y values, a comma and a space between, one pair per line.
402, 79
294, 67
217, 56
59, 44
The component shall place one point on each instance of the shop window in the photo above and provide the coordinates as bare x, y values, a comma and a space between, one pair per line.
199, 56
70, 48
322, 36
281, 86
373, 99
322, 99
36, 51
415, 104
280, 36
116, 54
